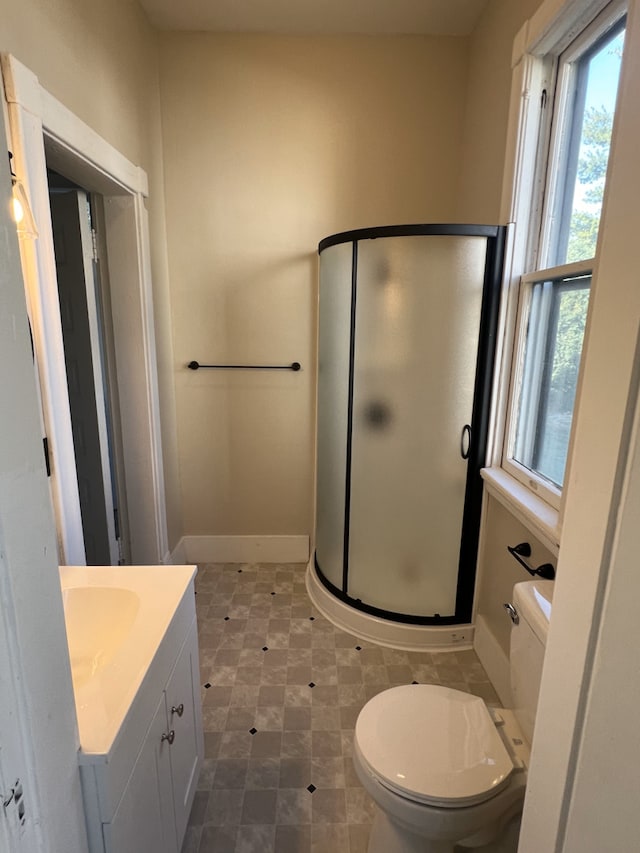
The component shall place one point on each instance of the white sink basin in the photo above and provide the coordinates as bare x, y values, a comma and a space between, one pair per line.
99, 620
116, 617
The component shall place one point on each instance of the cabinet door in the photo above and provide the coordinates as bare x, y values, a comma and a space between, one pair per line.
185, 718
144, 819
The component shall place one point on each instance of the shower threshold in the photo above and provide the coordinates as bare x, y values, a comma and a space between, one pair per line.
385, 632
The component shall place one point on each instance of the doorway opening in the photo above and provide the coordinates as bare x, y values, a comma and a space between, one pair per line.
87, 333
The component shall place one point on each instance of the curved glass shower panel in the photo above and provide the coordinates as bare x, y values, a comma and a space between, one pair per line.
334, 346
419, 301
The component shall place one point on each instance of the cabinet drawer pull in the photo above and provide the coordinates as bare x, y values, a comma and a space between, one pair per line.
170, 737
179, 710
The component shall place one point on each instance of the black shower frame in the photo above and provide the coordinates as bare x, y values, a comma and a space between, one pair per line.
485, 363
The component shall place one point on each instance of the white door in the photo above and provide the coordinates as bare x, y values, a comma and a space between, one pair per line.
16, 831
73, 246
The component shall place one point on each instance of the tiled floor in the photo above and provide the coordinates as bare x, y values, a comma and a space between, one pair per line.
281, 692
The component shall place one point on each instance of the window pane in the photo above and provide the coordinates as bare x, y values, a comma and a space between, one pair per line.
596, 76
552, 359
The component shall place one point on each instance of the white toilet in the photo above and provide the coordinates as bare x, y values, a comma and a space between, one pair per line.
444, 770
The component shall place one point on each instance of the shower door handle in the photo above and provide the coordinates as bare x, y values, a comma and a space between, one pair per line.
465, 441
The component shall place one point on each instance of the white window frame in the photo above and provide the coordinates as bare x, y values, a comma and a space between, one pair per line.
540, 485
531, 140
557, 146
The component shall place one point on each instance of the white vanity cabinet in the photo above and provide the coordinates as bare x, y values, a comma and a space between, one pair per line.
184, 720
144, 819
138, 793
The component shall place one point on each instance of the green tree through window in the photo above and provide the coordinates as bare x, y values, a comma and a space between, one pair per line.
592, 169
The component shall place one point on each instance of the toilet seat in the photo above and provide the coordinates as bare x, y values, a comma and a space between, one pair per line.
463, 762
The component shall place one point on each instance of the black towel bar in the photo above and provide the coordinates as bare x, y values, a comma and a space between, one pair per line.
546, 570
195, 365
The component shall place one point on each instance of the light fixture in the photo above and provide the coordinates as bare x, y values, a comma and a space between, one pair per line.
20, 207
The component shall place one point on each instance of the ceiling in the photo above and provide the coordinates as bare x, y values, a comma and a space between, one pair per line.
435, 17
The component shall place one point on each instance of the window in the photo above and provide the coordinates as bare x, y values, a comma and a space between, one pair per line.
557, 315
584, 105
554, 295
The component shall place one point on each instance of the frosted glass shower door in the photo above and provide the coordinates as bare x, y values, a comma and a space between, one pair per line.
419, 301
334, 348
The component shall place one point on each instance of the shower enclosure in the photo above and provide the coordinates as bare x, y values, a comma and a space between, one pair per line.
408, 318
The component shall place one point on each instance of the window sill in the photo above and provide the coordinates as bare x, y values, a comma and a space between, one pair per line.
542, 519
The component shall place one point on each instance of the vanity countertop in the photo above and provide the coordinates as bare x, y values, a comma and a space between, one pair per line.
116, 618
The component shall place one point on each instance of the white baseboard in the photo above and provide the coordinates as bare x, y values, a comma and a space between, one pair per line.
494, 660
241, 549
178, 556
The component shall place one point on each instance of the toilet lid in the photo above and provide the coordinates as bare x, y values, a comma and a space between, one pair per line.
432, 744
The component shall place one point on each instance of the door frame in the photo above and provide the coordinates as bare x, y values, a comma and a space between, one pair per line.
44, 132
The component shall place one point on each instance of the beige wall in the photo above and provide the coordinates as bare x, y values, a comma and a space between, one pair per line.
100, 61
479, 191
499, 571
487, 108
272, 143
97, 58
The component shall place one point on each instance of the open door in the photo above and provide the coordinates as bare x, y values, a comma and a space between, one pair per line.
84, 361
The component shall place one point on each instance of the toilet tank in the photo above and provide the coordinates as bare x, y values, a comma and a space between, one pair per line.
532, 601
